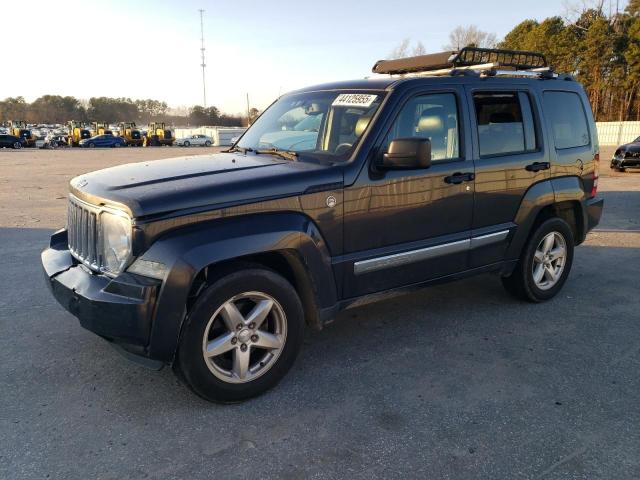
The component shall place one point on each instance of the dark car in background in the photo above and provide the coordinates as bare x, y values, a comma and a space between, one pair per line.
627, 156
106, 140
11, 141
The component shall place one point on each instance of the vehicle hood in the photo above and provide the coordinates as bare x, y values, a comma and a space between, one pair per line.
631, 147
200, 183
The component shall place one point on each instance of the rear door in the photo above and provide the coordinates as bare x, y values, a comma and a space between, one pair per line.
510, 157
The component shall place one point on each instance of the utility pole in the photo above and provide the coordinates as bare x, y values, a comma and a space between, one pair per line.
248, 112
203, 64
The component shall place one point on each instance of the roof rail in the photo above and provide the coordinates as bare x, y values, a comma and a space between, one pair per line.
470, 60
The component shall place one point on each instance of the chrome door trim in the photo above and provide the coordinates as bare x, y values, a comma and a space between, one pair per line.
397, 259
404, 258
482, 240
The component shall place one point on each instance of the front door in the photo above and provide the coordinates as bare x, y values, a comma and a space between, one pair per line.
409, 226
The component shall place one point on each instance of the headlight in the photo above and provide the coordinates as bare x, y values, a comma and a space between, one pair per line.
115, 241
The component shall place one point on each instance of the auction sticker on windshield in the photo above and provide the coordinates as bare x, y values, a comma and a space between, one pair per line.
354, 100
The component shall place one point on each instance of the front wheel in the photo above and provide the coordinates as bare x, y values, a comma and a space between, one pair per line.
545, 263
186, 144
241, 337
17, 146
92, 145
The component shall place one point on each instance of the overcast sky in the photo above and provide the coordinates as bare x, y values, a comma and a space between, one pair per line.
150, 49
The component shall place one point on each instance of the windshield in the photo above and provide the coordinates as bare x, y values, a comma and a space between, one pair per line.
321, 124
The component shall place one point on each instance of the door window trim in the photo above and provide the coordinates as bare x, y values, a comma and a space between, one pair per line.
422, 93
535, 113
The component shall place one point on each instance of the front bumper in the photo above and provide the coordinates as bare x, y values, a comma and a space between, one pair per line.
626, 162
119, 309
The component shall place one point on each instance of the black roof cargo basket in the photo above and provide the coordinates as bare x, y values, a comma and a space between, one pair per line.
485, 61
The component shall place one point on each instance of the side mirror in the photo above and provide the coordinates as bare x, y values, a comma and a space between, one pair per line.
407, 153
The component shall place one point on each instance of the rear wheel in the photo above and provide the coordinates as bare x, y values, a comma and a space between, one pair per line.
207, 143
17, 145
241, 337
545, 263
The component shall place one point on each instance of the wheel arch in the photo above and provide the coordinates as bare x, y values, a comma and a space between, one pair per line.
287, 243
560, 197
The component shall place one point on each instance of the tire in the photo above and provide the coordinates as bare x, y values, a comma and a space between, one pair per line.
186, 144
207, 143
220, 377
116, 145
17, 145
522, 283
92, 145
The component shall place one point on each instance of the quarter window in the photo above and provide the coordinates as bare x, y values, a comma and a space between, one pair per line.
568, 121
430, 116
505, 123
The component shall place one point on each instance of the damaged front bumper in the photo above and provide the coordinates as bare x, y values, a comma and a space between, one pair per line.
119, 309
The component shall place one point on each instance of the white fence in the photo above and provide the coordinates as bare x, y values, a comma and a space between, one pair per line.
221, 135
617, 133
609, 133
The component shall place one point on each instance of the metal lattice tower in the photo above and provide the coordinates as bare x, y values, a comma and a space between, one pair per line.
203, 64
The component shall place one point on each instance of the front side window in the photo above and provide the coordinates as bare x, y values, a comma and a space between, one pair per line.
505, 123
430, 116
325, 124
568, 121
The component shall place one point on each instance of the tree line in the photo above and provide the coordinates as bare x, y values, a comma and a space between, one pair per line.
54, 109
601, 49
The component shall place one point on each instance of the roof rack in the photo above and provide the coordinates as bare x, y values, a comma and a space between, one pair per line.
470, 60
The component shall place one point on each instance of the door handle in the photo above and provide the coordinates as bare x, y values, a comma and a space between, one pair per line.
459, 177
537, 166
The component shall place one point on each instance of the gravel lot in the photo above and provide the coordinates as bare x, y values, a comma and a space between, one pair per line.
457, 381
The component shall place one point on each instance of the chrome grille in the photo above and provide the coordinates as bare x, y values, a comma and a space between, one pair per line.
82, 231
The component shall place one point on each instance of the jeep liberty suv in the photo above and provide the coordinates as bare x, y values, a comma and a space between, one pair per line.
440, 167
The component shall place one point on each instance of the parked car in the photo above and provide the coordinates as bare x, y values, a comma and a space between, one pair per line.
107, 140
214, 264
627, 156
11, 141
195, 140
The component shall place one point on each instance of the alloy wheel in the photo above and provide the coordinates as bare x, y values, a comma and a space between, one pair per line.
244, 337
549, 260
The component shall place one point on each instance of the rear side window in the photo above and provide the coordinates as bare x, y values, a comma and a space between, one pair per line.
566, 115
505, 123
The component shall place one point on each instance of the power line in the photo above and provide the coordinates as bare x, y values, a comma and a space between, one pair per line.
203, 64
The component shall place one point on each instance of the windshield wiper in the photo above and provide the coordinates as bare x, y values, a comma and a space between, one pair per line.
286, 154
235, 148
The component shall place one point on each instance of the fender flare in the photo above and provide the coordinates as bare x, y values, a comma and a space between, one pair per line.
187, 251
542, 195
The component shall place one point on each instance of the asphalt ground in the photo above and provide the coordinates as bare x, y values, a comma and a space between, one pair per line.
456, 381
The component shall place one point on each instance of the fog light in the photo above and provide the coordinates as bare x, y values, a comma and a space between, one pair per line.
148, 268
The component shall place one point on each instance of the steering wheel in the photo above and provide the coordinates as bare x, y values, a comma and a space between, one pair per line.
342, 148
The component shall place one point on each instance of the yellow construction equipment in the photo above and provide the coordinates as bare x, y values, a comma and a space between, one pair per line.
98, 128
158, 135
77, 131
131, 134
19, 128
